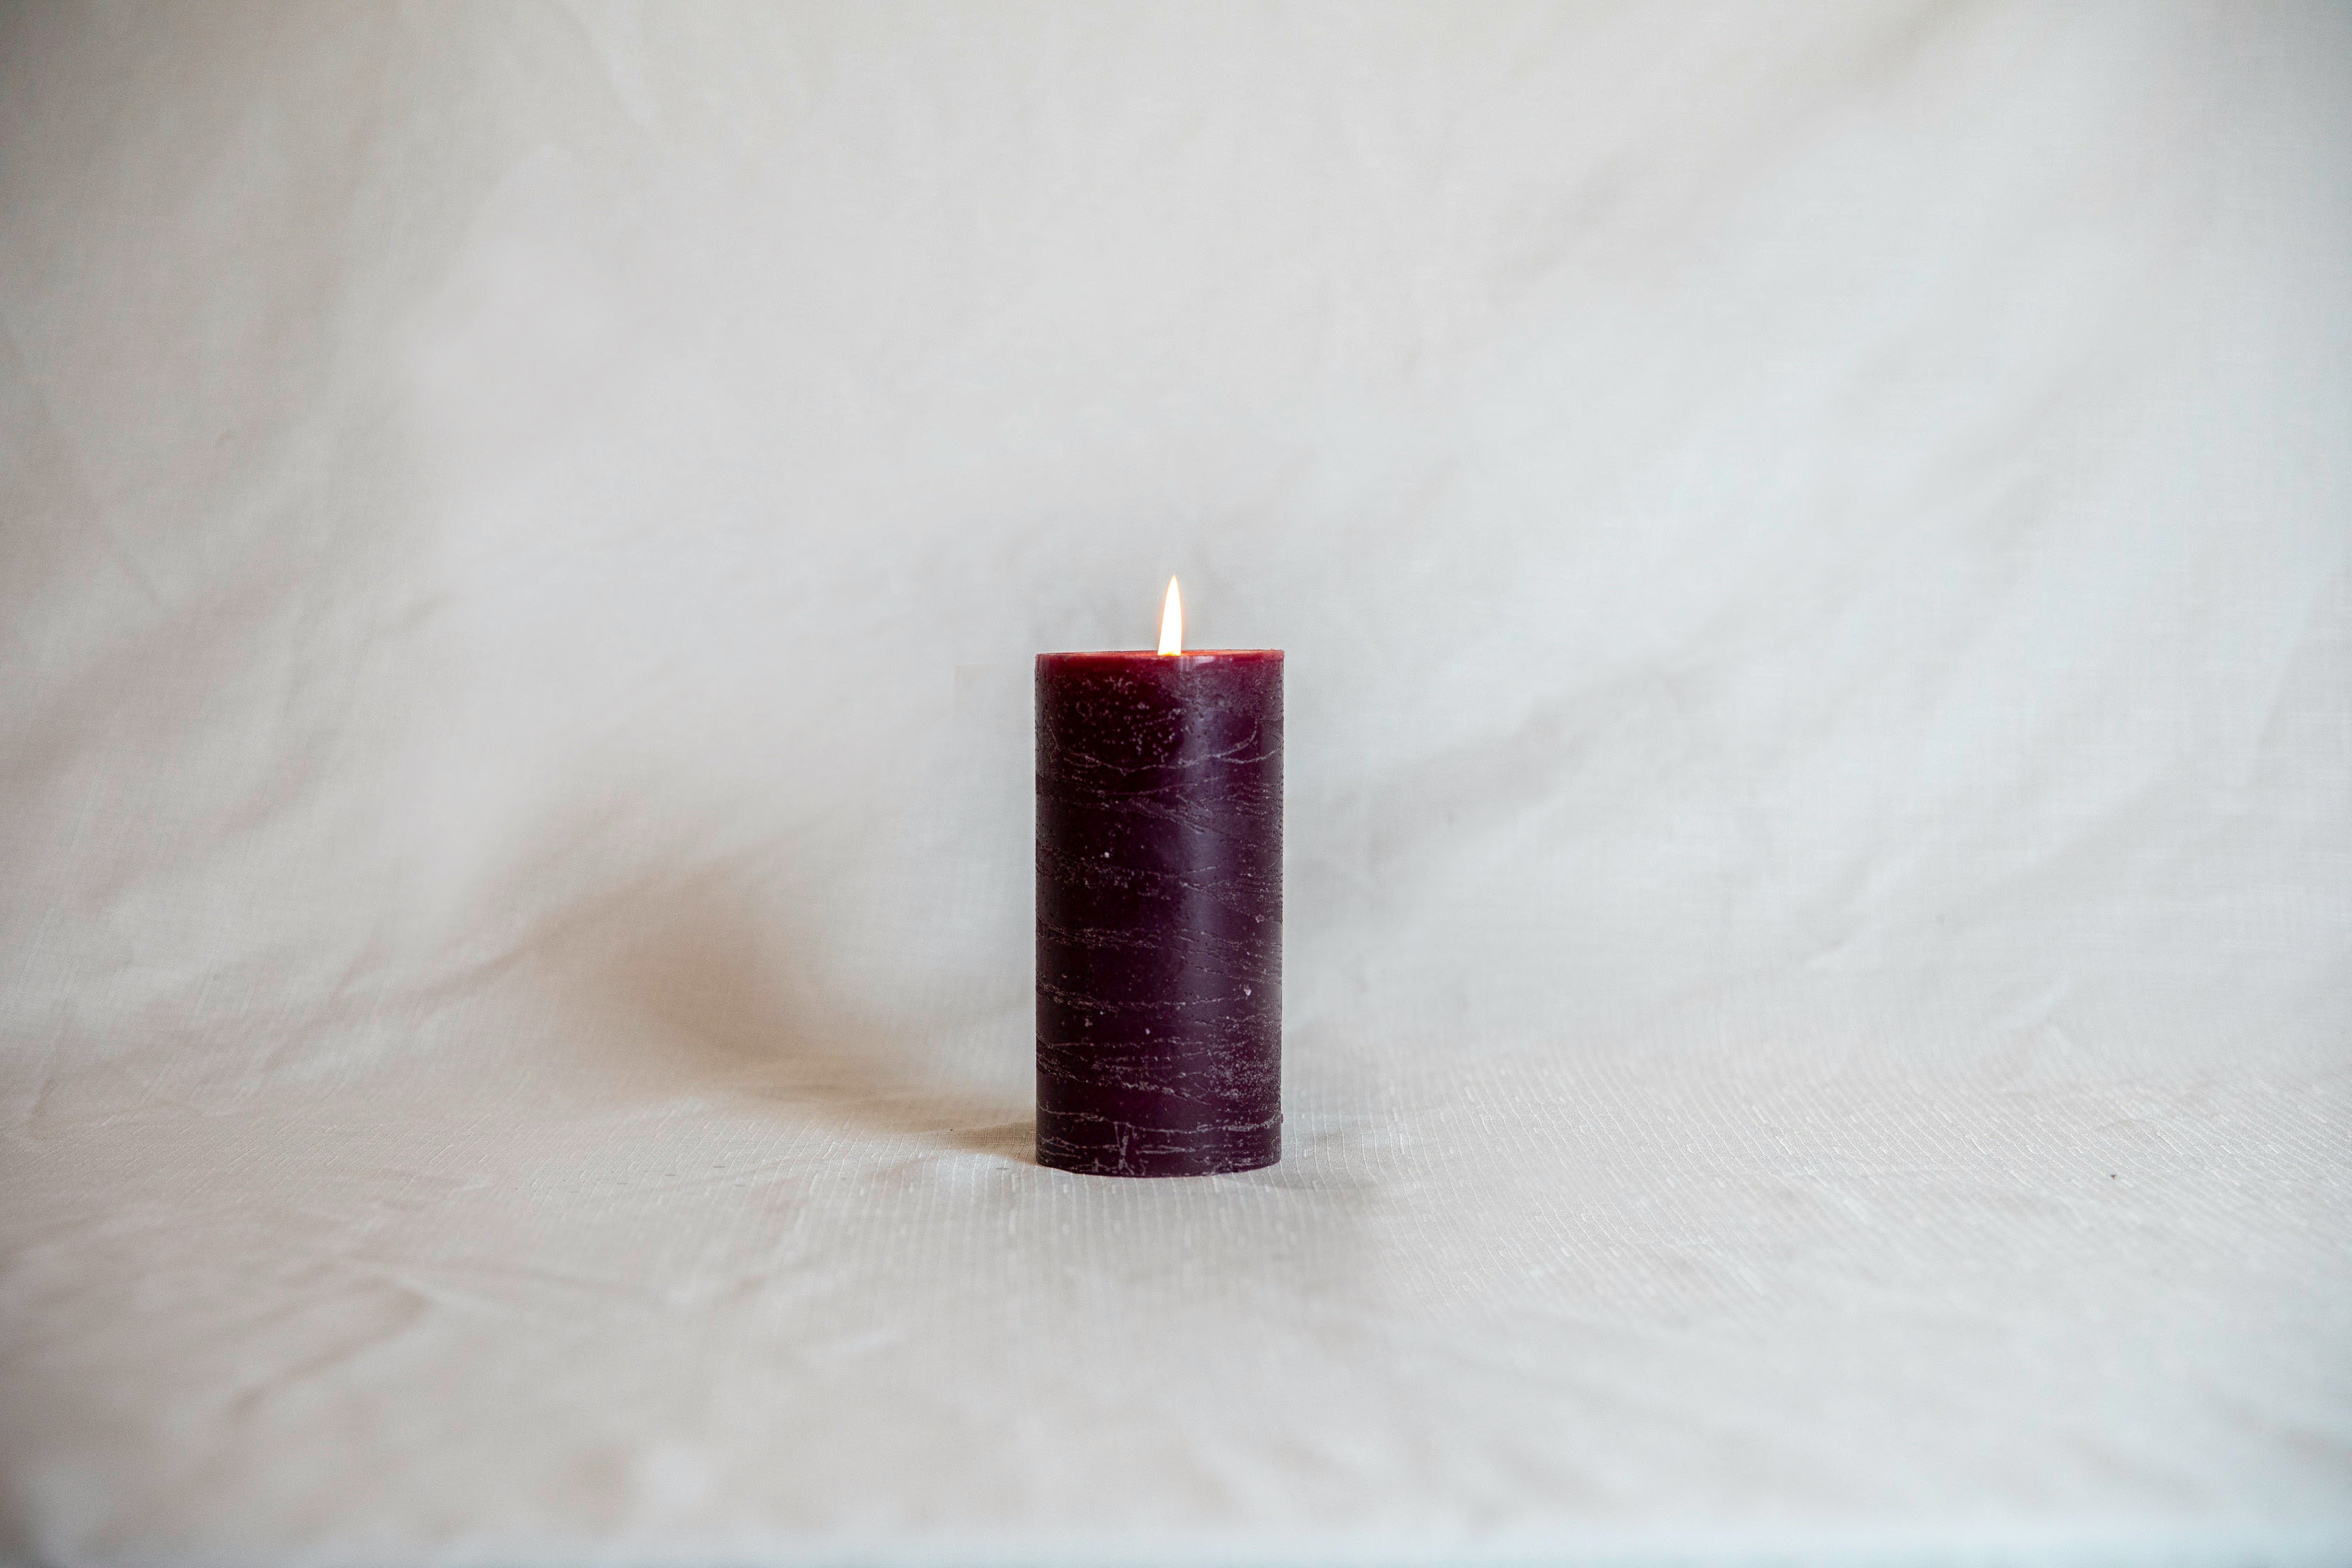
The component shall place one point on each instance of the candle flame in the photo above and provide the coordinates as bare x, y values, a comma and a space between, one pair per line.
1171, 621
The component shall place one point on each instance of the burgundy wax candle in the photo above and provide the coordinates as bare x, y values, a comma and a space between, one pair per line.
1160, 912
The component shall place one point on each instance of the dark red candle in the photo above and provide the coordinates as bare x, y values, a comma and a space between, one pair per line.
1160, 912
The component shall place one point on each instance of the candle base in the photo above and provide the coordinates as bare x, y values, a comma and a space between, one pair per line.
1204, 1108
1084, 1145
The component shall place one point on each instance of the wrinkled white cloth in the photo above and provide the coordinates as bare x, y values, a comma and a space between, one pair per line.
1811, 544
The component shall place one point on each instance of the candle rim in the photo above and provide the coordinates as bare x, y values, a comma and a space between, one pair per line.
1156, 654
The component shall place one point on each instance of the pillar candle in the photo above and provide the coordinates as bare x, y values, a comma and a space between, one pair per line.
1160, 910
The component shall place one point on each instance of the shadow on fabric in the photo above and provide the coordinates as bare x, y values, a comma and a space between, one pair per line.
734, 995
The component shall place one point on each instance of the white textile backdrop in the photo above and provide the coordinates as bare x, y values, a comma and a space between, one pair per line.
1813, 548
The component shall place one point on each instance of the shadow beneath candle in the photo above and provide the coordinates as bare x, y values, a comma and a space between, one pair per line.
734, 998
722, 987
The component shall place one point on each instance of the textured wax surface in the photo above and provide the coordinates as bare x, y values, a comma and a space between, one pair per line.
1160, 912
1809, 542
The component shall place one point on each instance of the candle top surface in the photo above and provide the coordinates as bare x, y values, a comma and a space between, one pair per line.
1150, 654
